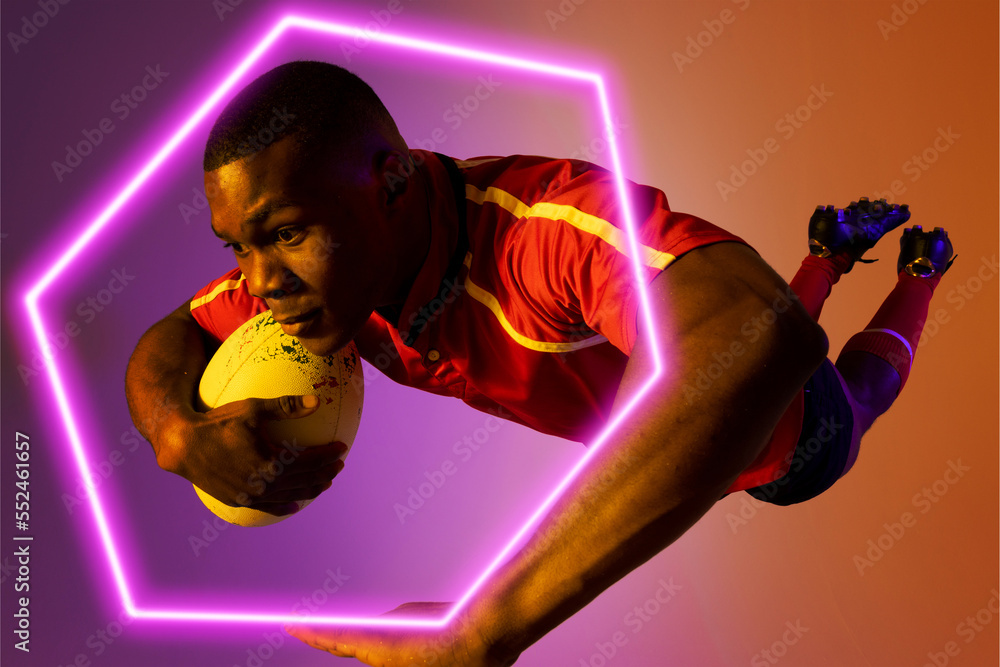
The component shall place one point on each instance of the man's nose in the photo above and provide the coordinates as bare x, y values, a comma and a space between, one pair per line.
268, 278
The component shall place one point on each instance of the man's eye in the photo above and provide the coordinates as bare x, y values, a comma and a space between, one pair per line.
237, 248
286, 234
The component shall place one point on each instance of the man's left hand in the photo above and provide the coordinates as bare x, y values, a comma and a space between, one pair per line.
457, 644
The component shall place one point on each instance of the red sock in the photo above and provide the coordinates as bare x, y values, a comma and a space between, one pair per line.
815, 278
895, 330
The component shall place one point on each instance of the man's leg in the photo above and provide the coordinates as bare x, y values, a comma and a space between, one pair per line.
876, 362
837, 239
816, 278
828, 441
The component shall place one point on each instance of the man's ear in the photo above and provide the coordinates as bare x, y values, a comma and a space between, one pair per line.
395, 169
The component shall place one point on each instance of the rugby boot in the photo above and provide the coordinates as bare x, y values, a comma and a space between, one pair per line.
853, 230
925, 254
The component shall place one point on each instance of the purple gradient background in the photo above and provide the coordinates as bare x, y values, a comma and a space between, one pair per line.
681, 131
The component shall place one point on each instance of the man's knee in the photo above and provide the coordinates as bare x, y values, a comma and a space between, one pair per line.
871, 382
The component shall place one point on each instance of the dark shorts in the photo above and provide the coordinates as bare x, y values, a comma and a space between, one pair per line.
824, 444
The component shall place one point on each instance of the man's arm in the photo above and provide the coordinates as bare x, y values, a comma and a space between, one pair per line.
162, 378
669, 461
664, 467
225, 450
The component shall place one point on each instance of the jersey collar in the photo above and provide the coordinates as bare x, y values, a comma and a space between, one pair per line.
436, 284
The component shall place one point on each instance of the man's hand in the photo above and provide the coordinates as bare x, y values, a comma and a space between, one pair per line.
226, 452
455, 645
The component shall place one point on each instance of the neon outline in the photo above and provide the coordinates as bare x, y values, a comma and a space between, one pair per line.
136, 183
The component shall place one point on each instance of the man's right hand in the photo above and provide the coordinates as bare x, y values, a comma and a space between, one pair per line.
229, 453
226, 452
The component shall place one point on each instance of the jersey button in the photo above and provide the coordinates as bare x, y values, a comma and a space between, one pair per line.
433, 355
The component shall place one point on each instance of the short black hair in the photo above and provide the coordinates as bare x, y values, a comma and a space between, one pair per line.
324, 106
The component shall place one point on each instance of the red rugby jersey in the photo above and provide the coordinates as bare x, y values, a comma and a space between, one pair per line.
539, 315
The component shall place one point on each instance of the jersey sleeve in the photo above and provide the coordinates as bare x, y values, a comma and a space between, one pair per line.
574, 257
224, 304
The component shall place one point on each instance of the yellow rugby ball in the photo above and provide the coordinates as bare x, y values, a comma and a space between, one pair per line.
259, 360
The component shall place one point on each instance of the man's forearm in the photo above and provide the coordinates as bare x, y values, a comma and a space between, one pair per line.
162, 378
665, 466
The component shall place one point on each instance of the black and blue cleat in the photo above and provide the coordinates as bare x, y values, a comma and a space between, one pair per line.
854, 229
925, 254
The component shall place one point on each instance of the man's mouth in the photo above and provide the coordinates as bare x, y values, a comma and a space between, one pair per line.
296, 325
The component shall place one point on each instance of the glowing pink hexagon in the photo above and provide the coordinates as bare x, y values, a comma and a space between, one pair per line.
52, 273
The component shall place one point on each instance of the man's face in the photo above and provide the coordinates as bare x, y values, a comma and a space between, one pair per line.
307, 238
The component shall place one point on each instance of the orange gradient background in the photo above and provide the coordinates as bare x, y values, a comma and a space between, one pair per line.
890, 91
744, 574
889, 97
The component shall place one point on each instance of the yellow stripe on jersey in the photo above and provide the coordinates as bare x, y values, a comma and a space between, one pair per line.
586, 222
466, 164
219, 289
490, 301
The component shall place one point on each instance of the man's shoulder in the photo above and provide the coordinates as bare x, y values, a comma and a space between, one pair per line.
532, 173
224, 304
528, 186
